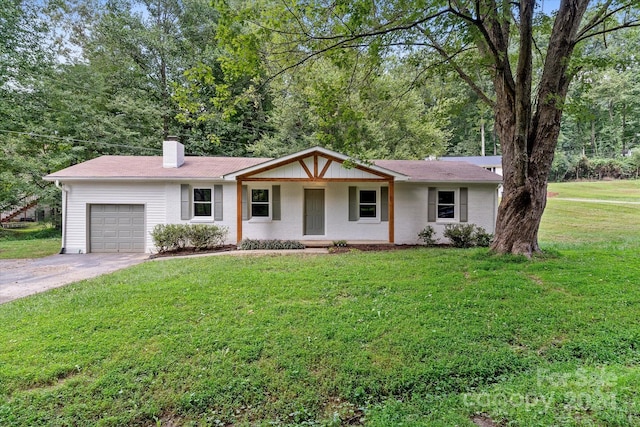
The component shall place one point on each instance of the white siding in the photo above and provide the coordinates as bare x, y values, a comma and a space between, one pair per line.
411, 201
337, 224
228, 206
336, 170
162, 206
295, 170
81, 195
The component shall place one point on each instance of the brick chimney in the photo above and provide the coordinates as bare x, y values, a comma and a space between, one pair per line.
172, 153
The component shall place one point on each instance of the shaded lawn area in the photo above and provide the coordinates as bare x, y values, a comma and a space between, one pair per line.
33, 241
415, 337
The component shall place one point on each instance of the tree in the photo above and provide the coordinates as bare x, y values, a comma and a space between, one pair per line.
502, 39
320, 107
603, 105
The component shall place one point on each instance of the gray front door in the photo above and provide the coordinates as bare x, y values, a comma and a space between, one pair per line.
116, 228
314, 212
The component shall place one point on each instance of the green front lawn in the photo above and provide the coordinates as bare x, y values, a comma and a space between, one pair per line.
433, 337
421, 337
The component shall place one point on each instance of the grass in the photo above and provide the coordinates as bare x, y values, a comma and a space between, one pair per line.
433, 337
628, 190
34, 241
583, 222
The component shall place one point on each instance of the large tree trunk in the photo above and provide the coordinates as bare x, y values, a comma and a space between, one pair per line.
529, 139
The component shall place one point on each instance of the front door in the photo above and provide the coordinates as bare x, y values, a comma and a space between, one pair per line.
314, 211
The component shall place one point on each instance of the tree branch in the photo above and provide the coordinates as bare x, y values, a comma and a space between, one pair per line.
464, 76
608, 30
596, 19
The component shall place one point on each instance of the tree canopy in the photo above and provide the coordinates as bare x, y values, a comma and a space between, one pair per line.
403, 79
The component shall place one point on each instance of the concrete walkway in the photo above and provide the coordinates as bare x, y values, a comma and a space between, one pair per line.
22, 277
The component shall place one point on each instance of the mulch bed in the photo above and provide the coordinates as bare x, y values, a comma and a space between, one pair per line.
194, 251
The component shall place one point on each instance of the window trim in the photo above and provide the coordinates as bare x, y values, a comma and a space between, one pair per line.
377, 206
194, 215
456, 205
268, 203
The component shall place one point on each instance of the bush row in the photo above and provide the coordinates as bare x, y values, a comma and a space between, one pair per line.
567, 168
459, 235
250, 244
171, 237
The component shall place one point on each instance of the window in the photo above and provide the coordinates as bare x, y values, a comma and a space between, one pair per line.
259, 202
446, 204
367, 204
202, 202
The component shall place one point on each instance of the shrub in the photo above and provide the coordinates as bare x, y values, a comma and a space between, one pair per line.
427, 236
171, 237
460, 235
204, 236
168, 237
340, 243
467, 235
250, 244
483, 238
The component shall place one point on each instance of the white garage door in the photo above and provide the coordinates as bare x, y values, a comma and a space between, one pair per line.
117, 228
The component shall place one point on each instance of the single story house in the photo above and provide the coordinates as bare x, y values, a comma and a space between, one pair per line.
111, 203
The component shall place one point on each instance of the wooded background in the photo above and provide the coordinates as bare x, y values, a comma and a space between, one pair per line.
83, 78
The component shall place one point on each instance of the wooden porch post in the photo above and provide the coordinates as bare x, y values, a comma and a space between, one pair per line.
238, 211
391, 212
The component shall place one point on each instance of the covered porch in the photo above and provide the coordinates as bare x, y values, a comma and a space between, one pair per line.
317, 197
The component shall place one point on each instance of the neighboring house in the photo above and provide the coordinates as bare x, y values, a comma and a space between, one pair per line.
111, 203
25, 210
492, 163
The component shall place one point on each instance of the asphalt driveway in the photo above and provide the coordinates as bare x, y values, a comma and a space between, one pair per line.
22, 277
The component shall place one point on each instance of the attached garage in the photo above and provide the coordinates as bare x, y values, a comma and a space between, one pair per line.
116, 228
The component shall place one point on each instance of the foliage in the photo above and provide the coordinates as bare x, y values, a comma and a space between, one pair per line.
467, 235
171, 237
339, 243
482, 238
460, 235
569, 168
204, 236
251, 244
603, 102
321, 106
168, 237
427, 236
